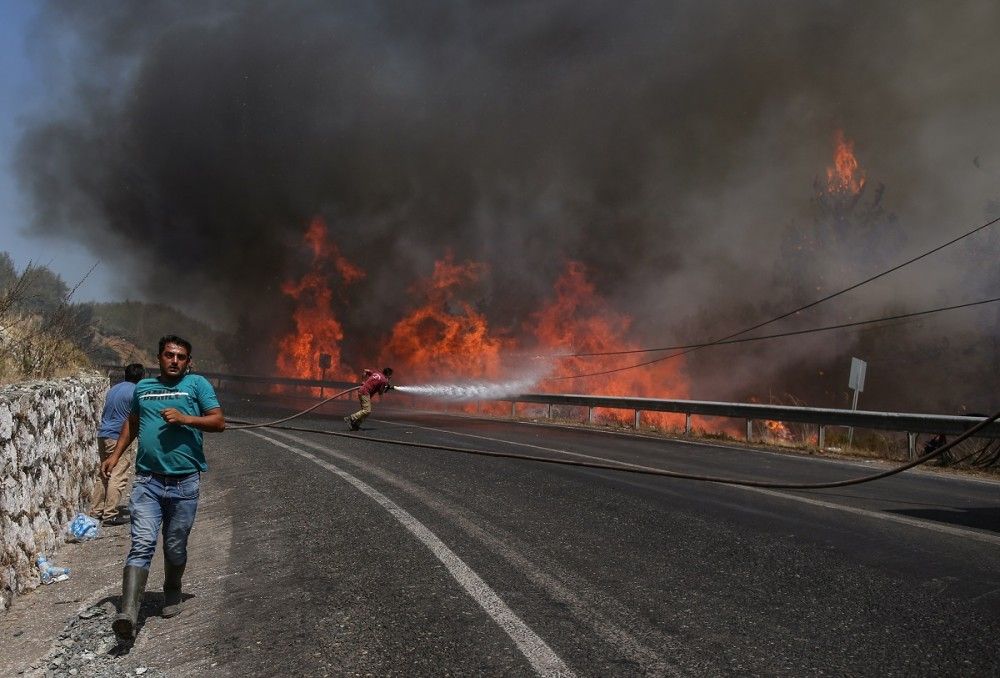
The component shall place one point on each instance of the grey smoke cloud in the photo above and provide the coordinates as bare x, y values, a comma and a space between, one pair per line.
671, 147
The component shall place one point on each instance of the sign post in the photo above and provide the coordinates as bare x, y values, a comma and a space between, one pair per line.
857, 384
325, 360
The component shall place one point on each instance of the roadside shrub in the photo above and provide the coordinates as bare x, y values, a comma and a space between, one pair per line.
41, 332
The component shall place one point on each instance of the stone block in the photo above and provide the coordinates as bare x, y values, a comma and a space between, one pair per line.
6, 423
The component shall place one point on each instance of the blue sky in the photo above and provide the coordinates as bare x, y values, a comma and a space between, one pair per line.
22, 91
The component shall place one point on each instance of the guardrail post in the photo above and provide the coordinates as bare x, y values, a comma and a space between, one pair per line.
637, 412
911, 442
590, 415
749, 430
821, 436
687, 424
548, 415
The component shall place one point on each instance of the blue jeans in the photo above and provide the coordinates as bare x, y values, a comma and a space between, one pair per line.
170, 501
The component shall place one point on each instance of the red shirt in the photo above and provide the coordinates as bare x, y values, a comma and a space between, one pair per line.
375, 382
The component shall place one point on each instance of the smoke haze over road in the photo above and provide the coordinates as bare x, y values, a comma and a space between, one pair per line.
677, 149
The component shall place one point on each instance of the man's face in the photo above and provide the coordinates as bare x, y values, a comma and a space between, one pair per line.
174, 360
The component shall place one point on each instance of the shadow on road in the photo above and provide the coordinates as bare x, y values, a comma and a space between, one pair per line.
980, 518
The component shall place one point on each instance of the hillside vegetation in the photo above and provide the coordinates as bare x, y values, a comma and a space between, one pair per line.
141, 325
44, 334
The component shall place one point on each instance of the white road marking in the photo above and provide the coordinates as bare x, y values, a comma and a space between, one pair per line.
541, 657
591, 606
904, 520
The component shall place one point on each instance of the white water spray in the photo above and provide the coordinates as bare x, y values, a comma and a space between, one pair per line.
475, 390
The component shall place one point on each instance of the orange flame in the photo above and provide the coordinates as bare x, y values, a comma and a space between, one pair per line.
446, 337
317, 330
777, 429
845, 175
578, 320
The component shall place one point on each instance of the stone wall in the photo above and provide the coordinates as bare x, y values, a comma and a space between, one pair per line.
48, 460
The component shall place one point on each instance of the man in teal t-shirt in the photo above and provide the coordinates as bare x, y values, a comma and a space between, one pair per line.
168, 416
163, 447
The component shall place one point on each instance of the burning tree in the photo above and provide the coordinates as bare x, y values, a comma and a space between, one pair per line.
578, 320
445, 336
317, 330
850, 232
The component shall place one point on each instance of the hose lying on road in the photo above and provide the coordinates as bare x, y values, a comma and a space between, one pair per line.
630, 468
243, 425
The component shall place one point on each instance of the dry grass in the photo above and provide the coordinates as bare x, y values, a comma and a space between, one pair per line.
32, 350
38, 344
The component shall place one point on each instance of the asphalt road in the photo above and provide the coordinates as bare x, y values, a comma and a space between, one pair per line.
317, 554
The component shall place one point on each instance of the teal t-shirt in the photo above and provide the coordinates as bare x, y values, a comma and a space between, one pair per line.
171, 448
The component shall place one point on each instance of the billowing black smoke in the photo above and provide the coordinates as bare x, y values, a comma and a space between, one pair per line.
670, 146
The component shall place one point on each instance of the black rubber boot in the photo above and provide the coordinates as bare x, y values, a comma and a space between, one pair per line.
133, 584
172, 575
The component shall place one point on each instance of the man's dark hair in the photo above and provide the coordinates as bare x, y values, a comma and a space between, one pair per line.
174, 339
387, 371
134, 372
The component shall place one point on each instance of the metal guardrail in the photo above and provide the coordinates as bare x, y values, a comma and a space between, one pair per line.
219, 377
893, 421
912, 424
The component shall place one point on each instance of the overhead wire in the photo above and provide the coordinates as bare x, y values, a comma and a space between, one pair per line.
717, 343
729, 339
790, 333
786, 314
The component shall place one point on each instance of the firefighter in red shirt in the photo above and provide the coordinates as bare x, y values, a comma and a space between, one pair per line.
374, 382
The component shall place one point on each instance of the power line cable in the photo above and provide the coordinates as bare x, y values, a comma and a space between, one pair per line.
791, 333
789, 313
643, 470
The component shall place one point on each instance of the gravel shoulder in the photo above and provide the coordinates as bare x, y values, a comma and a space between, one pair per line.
64, 629
30, 629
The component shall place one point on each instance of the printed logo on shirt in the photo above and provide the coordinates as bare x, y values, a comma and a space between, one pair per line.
164, 395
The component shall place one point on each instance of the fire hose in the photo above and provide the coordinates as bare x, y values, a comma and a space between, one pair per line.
618, 467
272, 424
